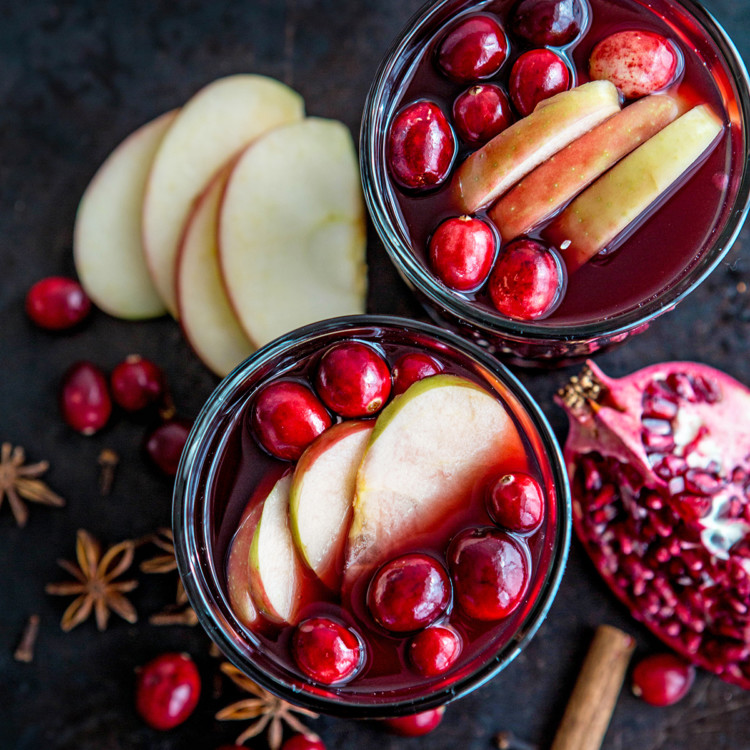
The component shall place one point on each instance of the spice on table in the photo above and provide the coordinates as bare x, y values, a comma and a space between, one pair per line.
25, 650
108, 461
507, 740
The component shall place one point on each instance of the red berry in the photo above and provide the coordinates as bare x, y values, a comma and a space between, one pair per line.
304, 742
84, 398
515, 501
527, 281
434, 650
167, 690
417, 724
287, 417
490, 572
409, 593
353, 380
411, 367
662, 679
421, 146
475, 47
462, 250
481, 112
136, 383
537, 75
548, 23
57, 303
326, 651
165, 443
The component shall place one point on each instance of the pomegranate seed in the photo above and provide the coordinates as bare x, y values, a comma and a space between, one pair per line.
411, 367
136, 383
537, 75
84, 398
662, 679
326, 651
475, 47
434, 650
461, 251
548, 23
57, 303
304, 742
481, 112
167, 690
701, 482
417, 724
165, 443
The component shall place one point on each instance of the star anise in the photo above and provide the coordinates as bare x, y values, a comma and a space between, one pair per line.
19, 482
95, 587
264, 708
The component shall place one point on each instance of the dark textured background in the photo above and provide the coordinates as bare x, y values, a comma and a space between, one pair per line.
75, 78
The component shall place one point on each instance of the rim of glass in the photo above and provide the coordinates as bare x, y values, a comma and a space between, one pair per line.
376, 185
191, 546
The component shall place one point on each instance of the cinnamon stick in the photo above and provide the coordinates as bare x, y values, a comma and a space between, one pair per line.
593, 699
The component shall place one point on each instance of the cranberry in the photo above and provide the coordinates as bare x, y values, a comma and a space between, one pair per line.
57, 303
490, 572
548, 23
662, 679
481, 112
434, 650
536, 75
84, 398
515, 501
353, 379
409, 593
475, 47
421, 146
287, 417
461, 252
304, 742
527, 281
167, 690
165, 443
416, 725
136, 383
326, 651
411, 367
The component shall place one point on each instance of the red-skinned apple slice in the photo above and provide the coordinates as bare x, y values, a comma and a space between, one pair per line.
107, 247
320, 499
215, 124
238, 567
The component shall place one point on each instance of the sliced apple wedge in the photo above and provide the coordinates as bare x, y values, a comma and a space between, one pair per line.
499, 164
107, 247
292, 230
212, 127
634, 186
555, 182
238, 567
207, 319
320, 499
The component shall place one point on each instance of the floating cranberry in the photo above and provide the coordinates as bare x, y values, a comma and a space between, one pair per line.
434, 650
326, 651
474, 48
515, 502
481, 112
136, 383
353, 379
490, 572
662, 679
462, 250
527, 281
167, 690
416, 725
409, 593
57, 303
287, 417
165, 443
537, 75
411, 367
84, 398
421, 146
304, 742
637, 62
548, 23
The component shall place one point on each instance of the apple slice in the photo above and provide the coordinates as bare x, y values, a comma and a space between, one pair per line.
635, 185
206, 316
320, 499
238, 567
292, 230
431, 447
107, 247
550, 186
212, 127
489, 172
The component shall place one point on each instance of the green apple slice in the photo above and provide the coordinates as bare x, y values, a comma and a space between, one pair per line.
320, 499
238, 567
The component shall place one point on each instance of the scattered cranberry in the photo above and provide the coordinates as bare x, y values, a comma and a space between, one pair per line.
537, 75
662, 679
287, 417
434, 650
527, 281
516, 502
421, 146
136, 383
57, 303
165, 443
474, 48
84, 398
416, 725
490, 572
548, 23
462, 250
481, 112
167, 690
304, 742
411, 367
326, 651
353, 380
409, 593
